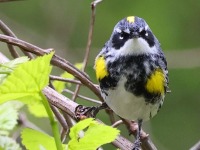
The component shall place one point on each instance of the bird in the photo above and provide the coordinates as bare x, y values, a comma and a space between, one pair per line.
132, 72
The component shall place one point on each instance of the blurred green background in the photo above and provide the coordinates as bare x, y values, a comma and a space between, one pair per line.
63, 25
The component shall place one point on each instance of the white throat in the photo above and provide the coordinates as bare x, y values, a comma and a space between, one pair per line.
136, 46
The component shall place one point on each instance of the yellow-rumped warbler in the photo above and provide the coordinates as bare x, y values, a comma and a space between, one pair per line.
132, 72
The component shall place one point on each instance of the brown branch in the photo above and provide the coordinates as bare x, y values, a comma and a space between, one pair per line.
24, 122
90, 34
56, 61
123, 143
89, 42
4, 28
60, 101
65, 65
64, 79
83, 97
7, 31
117, 123
60, 118
24, 45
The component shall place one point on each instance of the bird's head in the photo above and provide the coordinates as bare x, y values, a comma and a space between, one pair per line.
132, 35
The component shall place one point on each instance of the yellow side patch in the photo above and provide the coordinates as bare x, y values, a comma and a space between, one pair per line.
100, 67
131, 19
155, 84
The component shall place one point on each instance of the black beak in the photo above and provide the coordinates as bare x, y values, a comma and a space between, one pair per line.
135, 34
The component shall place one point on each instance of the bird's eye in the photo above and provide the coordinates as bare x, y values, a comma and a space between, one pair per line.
123, 35
119, 38
144, 33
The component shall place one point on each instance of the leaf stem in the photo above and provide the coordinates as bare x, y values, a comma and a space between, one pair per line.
54, 124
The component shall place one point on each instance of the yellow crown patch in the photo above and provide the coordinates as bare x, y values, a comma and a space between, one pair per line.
100, 67
131, 19
155, 84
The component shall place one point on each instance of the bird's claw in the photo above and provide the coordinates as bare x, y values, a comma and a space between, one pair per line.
137, 145
82, 112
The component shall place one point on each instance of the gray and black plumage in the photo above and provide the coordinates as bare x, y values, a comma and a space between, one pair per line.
132, 71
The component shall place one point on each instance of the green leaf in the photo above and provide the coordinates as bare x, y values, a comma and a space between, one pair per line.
9, 116
8, 67
14, 63
79, 65
27, 80
59, 85
74, 131
95, 135
7, 143
37, 109
35, 140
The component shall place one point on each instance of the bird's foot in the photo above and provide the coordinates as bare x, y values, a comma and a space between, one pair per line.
82, 112
137, 145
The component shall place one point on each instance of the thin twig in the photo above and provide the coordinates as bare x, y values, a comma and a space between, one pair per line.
23, 120
7, 31
117, 123
3, 58
52, 77
71, 122
196, 146
89, 42
83, 97
94, 3
111, 115
93, 7
68, 119
60, 118
90, 34
67, 66
24, 45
